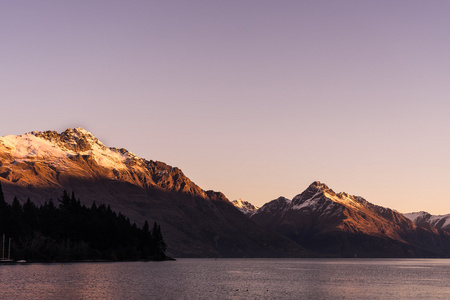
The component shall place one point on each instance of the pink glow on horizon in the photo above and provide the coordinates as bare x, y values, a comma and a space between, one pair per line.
255, 99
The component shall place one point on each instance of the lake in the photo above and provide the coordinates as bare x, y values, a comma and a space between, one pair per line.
231, 279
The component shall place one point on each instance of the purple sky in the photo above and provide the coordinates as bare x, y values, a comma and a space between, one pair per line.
256, 99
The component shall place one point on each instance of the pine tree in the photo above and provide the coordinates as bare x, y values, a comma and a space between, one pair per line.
30, 215
158, 240
5, 214
65, 202
146, 228
2, 196
16, 218
3, 204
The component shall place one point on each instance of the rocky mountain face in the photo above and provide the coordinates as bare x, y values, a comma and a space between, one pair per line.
343, 225
245, 207
424, 219
195, 223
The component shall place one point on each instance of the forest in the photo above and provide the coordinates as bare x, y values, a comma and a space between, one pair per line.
70, 231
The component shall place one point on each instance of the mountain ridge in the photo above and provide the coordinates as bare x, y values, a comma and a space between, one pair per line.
199, 223
339, 224
195, 222
77, 146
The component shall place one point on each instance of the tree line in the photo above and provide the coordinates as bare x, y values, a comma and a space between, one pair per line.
70, 231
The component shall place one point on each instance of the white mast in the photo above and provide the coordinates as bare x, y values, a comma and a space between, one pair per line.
9, 249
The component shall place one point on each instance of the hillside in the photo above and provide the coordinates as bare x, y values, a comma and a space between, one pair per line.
194, 222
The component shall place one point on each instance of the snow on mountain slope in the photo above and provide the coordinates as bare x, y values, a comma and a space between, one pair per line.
38, 147
440, 222
319, 200
245, 207
306, 200
50, 159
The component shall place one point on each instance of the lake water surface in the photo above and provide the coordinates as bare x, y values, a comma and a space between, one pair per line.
231, 279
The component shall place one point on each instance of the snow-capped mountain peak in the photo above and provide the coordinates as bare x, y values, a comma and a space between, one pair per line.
318, 216
76, 139
417, 216
424, 219
49, 159
245, 207
54, 147
317, 194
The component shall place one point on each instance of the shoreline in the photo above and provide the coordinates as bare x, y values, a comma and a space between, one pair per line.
81, 261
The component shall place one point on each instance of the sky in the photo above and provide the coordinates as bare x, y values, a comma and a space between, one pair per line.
256, 99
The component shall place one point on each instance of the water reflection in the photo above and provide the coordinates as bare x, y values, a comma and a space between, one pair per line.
230, 279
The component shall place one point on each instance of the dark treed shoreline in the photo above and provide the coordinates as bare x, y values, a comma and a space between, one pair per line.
72, 232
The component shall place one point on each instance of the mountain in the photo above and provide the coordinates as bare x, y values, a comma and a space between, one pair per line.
424, 219
245, 207
194, 222
340, 224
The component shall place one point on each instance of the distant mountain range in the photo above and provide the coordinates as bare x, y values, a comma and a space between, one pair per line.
332, 224
199, 223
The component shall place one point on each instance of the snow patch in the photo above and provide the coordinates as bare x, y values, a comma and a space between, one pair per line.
415, 215
312, 202
245, 206
436, 219
29, 147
